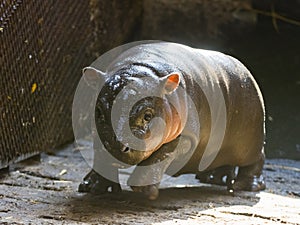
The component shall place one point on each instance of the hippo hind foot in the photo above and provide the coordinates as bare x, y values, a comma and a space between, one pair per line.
250, 184
221, 176
95, 183
250, 177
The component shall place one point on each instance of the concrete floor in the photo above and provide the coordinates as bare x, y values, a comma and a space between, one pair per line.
44, 191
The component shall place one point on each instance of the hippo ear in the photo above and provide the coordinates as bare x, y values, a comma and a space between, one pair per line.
171, 82
93, 77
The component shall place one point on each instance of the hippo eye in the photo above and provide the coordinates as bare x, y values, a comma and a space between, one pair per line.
148, 116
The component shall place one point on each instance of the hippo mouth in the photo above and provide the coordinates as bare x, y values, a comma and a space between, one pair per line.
130, 156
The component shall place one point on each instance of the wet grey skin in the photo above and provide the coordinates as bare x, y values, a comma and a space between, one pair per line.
169, 69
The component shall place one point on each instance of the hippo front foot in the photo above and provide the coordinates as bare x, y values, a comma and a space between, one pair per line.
96, 184
150, 191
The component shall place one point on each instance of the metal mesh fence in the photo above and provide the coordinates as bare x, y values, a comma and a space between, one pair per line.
42, 50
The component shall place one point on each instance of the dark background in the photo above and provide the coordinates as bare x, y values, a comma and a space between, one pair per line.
266, 44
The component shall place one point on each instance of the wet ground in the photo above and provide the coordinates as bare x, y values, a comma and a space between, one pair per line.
45, 192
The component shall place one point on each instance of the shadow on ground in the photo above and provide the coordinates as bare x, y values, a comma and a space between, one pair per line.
46, 192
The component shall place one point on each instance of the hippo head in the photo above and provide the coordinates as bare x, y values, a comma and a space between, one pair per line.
133, 115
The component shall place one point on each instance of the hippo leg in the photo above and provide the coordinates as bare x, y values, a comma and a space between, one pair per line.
147, 175
250, 177
95, 183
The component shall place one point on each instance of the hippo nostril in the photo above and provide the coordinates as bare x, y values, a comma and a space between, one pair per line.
125, 149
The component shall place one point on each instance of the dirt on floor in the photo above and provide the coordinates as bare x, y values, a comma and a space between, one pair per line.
44, 191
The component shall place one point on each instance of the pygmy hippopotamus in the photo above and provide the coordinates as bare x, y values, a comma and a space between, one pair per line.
188, 111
